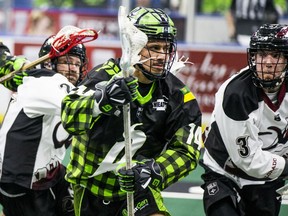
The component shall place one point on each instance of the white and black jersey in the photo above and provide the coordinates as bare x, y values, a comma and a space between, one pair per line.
32, 139
247, 138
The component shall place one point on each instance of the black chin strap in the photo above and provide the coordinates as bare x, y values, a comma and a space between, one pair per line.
149, 75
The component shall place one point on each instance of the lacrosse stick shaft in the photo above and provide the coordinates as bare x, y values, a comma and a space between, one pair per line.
125, 64
132, 42
25, 67
126, 115
128, 153
127, 133
128, 150
283, 190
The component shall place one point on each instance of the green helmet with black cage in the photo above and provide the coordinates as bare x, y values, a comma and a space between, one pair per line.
157, 25
269, 37
78, 50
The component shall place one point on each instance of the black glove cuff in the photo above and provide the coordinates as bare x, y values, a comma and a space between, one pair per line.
156, 174
103, 102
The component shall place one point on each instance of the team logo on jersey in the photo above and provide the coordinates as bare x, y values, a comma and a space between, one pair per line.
160, 104
212, 188
277, 117
281, 137
59, 142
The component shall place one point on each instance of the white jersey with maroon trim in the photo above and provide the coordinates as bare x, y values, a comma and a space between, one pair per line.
32, 139
247, 138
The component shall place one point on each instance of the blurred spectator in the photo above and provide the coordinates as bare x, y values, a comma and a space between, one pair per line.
107, 4
170, 6
213, 6
44, 4
88, 3
245, 16
40, 24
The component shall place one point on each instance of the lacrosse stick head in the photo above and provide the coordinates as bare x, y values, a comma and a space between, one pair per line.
132, 42
158, 27
70, 36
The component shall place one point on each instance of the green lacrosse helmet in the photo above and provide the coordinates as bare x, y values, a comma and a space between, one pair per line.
155, 23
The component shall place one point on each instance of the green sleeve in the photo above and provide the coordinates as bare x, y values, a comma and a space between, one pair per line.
179, 159
77, 111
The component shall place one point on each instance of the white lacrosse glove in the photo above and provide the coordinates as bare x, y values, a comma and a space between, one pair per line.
179, 64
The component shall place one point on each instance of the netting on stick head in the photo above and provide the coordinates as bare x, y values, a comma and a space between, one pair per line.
132, 41
67, 31
68, 37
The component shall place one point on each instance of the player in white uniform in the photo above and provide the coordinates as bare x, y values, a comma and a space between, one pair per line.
246, 148
32, 140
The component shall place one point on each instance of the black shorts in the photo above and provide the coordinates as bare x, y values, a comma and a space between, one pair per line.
223, 197
56, 201
146, 203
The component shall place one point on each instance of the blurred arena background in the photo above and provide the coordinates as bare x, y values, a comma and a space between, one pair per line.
202, 37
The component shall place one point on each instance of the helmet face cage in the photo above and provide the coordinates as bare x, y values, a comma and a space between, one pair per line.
80, 51
158, 26
167, 62
269, 37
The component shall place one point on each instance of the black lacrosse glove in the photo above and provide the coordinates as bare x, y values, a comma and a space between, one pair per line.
143, 174
117, 92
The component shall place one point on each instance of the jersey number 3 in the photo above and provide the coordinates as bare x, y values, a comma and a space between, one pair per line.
244, 149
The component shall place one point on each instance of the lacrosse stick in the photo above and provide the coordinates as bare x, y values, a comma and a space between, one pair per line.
283, 190
132, 42
65, 39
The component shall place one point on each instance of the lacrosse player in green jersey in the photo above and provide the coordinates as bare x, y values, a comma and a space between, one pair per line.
165, 127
